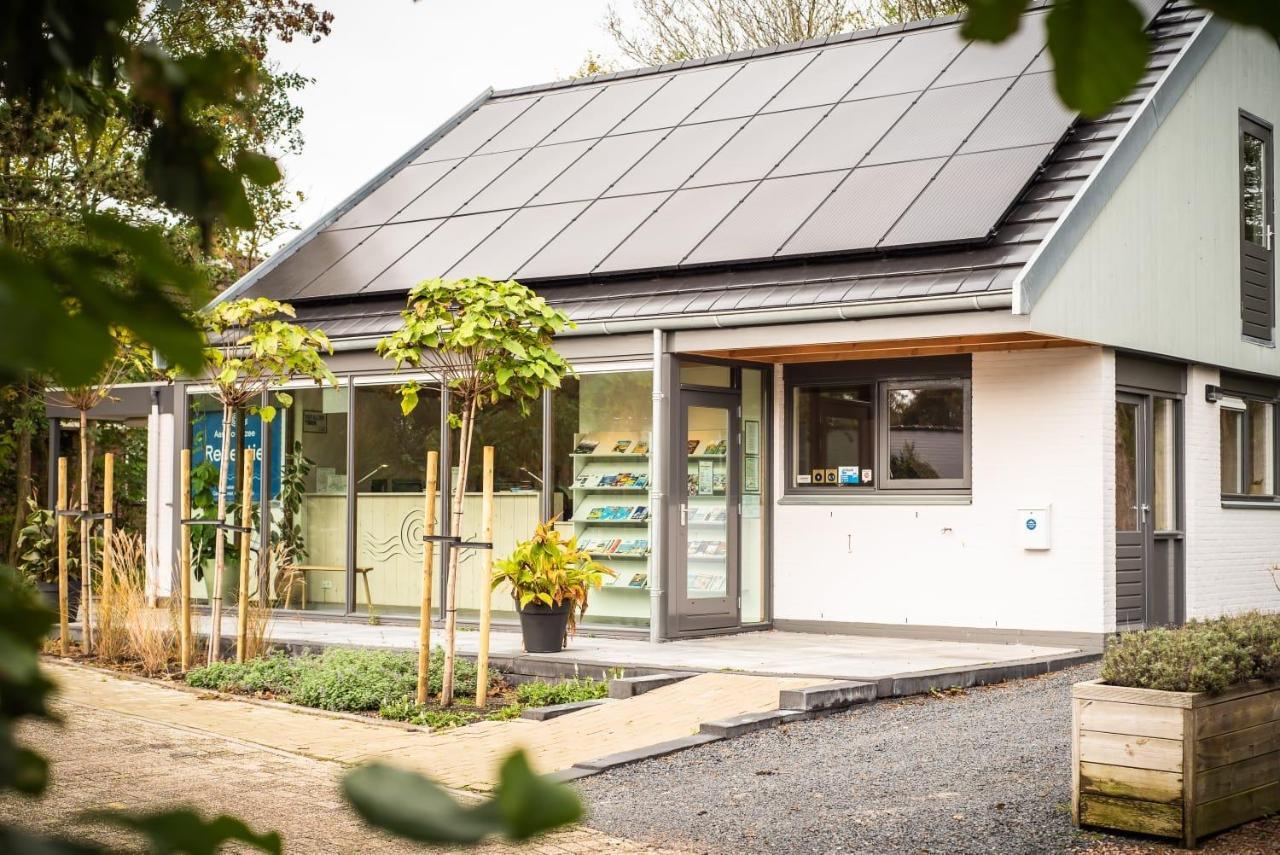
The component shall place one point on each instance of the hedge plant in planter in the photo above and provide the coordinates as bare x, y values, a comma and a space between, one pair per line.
1181, 736
550, 579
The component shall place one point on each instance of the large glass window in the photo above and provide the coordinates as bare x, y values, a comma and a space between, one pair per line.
390, 469
1248, 443
309, 514
886, 434
603, 426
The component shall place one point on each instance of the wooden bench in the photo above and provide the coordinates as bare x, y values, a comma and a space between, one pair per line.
362, 572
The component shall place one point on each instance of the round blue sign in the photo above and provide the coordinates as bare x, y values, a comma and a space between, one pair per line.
1031, 525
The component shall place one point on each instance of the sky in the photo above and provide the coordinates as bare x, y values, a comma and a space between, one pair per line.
394, 70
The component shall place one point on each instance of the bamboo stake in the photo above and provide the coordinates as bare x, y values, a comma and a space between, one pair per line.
428, 558
246, 520
184, 560
86, 565
451, 600
63, 583
108, 528
486, 581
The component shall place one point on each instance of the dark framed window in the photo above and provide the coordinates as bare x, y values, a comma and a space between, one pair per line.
1257, 232
1248, 447
882, 426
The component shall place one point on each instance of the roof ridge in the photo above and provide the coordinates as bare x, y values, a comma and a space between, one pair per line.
750, 53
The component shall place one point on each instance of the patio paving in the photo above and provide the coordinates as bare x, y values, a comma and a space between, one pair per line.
845, 657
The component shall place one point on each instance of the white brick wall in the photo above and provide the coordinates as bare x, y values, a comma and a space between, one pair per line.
1229, 550
1043, 433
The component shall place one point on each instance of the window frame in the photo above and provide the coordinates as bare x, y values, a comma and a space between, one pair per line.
1251, 125
1245, 452
883, 376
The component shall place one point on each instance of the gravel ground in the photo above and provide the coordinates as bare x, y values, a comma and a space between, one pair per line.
983, 771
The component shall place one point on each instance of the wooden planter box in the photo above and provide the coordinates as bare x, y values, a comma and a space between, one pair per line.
1174, 764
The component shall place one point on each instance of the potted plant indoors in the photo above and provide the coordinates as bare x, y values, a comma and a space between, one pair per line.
1181, 736
38, 558
550, 580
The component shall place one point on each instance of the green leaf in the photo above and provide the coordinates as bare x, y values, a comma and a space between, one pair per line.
1263, 14
1099, 52
408, 400
530, 803
411, 806
258, 168
267, 413
993, 20
183, 831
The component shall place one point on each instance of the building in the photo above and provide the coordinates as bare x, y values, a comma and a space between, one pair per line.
872, 336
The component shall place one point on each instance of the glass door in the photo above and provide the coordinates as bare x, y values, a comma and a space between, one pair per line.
706, 540
1133, 511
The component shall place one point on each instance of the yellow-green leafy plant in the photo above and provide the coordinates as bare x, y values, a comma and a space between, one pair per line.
484, 341
551, 570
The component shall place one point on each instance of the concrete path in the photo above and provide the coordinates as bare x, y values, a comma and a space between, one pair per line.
843, 657
464, 757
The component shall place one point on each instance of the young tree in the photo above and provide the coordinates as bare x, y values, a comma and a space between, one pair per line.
251, 348
483, 341
129, 358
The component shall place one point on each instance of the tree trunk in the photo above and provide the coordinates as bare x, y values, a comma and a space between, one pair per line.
220, 542
451, 609
86, 569
23, 490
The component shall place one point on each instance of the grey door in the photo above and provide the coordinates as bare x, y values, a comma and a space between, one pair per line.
1257, 244
705, 540
1133, 511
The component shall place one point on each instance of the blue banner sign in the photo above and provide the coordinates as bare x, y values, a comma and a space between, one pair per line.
206, 444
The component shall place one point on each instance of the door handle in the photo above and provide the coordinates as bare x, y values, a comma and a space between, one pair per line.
1146, 509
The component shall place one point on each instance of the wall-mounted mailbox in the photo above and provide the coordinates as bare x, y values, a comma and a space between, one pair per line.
1035, 527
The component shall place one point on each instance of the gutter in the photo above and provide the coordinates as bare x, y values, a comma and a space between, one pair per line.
987, 301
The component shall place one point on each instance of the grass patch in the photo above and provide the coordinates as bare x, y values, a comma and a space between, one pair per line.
338, 679
1203, 656
539, 694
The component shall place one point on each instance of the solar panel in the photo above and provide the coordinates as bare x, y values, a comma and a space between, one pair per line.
437, 252
750, 89
536, 123
831, 75
591, 175
766, 218
309, 261
846, 135
757, 148
676, 158
951, 208
863, 208
465, 180
938, 123
516, 241
682, 94
983, 61
399, 190
367, 260
613, 105
676, 228
591, 236
1030, 113
475, 130
526, 176
912, 65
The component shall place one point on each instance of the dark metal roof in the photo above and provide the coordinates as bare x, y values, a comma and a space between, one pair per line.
881, 164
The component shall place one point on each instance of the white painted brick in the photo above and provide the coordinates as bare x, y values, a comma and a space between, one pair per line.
1043, 433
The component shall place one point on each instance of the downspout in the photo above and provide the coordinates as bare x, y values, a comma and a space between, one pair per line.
658, 442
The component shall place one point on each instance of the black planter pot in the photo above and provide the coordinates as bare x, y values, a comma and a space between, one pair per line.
544, 627
49, 591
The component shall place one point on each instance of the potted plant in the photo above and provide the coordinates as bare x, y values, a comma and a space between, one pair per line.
1180, 736
38, 558
550, 580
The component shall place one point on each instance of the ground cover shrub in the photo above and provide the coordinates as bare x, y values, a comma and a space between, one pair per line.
339, 679
407, 710
539, 694
1203, 656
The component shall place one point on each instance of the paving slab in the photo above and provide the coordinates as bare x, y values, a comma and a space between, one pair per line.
466, 757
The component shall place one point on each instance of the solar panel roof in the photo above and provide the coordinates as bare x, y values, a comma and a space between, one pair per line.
906, 138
